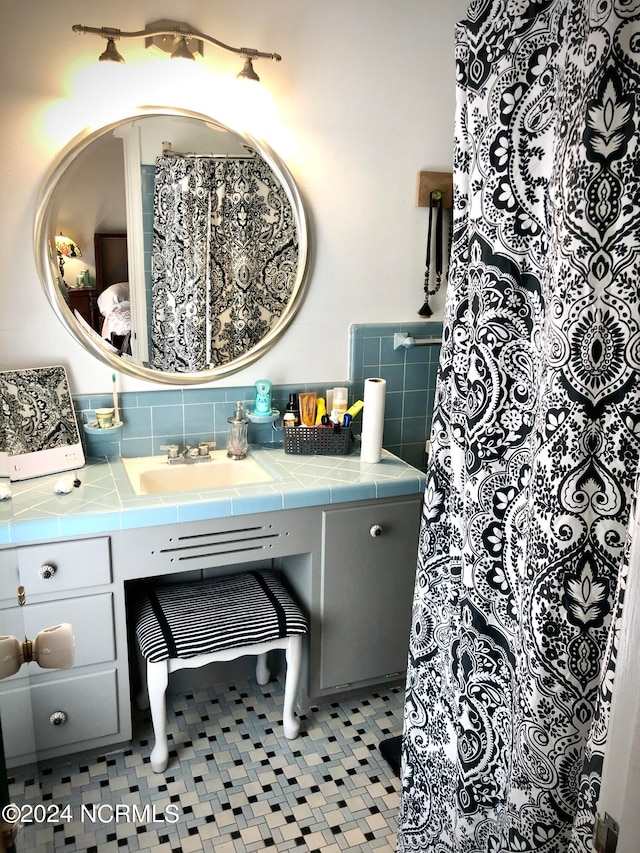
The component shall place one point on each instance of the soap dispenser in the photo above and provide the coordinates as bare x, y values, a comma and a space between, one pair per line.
237, 441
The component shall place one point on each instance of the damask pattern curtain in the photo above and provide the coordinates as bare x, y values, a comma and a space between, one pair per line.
535, 436
224, 260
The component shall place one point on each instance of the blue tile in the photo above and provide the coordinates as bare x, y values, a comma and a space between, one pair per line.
414, 430
263, 434
101, 400
395, 488
168, 420
204, 395
432, 375
295, 497
378, 330
393, 405
160, 443
349, 492
392, 433
133, 447
40, 528
152, 516
416, 376
245, 394
201, 510
258, 502
394, 376
198, 419
415, 404
371, 352
98, 446
128, 399
136, 422
160, 398
389, 355
79, 524
419, 355
415, 455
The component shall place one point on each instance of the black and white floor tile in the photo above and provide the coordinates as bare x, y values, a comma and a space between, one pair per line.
234, 784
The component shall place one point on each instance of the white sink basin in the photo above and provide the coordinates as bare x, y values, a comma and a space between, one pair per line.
152, 475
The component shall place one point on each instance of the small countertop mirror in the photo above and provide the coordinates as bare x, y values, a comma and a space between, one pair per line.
204, 260
38, 429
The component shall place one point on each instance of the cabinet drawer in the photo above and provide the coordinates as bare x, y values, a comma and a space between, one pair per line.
77, 564
9, 581
17, 724
89, 704
91, 617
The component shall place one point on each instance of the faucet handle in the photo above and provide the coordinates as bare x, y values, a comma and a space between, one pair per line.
172, 450
205, 447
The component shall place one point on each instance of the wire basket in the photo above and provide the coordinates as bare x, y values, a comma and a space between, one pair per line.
301, 439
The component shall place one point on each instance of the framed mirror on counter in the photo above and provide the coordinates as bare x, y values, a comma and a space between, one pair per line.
202, 226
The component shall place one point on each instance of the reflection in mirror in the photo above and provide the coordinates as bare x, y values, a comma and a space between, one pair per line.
200, 245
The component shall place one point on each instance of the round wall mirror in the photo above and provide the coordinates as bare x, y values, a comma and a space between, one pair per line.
187, 245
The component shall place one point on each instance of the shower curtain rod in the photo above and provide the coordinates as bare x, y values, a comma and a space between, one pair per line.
167, 151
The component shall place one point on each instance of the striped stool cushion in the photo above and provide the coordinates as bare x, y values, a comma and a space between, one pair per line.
189, 619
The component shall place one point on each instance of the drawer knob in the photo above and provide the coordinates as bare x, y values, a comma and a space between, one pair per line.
375, 530
58, 718
45, 572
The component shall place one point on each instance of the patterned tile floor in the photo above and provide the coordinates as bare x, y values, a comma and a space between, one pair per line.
233, 784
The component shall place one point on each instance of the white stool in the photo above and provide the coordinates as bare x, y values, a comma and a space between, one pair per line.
188, 625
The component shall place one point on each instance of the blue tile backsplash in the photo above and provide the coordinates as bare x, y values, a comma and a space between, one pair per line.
410, 375
186, 416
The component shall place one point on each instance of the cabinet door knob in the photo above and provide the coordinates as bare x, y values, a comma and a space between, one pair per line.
375, 530
58, 718
45, 572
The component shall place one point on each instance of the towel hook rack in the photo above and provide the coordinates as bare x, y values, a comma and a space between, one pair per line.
430, 183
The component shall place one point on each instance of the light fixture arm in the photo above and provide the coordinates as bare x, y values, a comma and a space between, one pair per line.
177, 31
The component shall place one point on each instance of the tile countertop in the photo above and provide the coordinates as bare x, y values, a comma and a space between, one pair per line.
105, 500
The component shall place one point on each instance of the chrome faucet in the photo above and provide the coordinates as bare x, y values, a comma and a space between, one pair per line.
192, 454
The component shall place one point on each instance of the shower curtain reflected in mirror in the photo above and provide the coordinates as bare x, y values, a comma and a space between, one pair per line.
535, 436
224, 259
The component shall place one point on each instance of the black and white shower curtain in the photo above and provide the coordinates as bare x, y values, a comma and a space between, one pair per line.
224, 259
535, 436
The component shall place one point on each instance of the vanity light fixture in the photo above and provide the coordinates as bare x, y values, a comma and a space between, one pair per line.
111, 53
176, 38
66, 248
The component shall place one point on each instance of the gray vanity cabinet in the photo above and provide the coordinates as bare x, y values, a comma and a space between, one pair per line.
368, 569
351, 566
48, 712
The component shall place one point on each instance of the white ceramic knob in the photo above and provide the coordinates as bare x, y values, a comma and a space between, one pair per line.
45, 572
375, 530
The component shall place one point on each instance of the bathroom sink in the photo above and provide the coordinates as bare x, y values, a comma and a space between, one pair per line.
152, 475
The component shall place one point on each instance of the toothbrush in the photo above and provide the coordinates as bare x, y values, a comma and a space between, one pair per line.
116, 411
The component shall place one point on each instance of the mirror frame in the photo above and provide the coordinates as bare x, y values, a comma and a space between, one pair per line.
47, 265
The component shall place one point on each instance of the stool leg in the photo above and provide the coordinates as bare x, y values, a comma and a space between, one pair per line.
157, 680
262, 670
142, 696
291, 724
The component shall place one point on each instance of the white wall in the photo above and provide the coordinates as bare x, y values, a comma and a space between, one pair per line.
365, 99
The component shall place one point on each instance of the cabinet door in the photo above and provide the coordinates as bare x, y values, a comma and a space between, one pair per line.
368, 571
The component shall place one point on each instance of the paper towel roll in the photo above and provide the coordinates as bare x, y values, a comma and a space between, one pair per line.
373, 419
